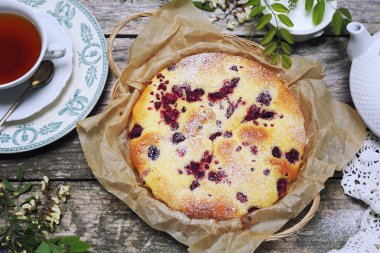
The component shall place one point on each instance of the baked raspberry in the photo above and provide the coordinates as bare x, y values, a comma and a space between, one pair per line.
172, 67
228, 88
227, 134
234, 68
215, 135
183, 110
153, 153
136, 131
267, 115
276, 152
254, 150
157, 105
178, 137
264, 98
292, 156
252, 209
216, 177
282, 185
177, 90
238, 148
241, 197
195, 95
194, 185
253, 113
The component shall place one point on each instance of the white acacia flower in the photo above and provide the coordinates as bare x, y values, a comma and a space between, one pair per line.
242, 1
231, 24
46, 179
55, 199
1, 187
221, 3
43, 185
63, 192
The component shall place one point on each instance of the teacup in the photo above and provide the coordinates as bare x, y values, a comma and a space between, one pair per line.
20, 58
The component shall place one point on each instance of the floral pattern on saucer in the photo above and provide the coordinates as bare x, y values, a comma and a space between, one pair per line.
82, 91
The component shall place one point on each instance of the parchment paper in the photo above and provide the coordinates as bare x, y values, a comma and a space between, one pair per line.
335, 133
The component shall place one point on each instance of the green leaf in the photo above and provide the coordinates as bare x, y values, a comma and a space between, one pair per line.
20, 174
56, 249
264, 20
68, 240
80, 246
337, 22
270, 48
279, 8
275, 59
286, 61
8, 185
286, 20
268, 37
286, 48
204, 6
43, 248
318, 12
345, 13
288, 37
255, 11
25, 188
253, 3
309, 5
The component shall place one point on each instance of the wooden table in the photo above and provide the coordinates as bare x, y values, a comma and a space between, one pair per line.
111, 226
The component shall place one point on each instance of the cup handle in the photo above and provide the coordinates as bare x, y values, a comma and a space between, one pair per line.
55, 51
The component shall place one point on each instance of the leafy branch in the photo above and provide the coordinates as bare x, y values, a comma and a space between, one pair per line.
277, 40
27, 221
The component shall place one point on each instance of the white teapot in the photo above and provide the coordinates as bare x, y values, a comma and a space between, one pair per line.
364, 52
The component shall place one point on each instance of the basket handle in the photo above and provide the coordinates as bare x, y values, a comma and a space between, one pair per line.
114, 68
237, 42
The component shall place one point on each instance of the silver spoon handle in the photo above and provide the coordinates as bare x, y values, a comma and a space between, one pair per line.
15, 105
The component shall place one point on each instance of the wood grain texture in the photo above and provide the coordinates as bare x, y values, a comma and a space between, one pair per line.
111, 226
111, 12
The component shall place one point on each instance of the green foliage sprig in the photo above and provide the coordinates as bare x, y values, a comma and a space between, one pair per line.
26, 221
278, 40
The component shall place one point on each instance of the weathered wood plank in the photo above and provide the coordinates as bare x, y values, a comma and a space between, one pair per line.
113, 11
111, 226
64, 158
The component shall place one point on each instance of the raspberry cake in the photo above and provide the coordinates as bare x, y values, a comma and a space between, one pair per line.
217, 136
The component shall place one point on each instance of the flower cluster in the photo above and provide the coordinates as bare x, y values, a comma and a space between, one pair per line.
25, 222
234, 11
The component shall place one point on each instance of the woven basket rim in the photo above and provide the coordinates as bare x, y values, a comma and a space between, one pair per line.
237, 41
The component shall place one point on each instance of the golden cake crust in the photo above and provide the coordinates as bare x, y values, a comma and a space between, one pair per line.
217, 136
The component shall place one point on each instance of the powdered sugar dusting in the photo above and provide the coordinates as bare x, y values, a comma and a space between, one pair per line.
219, 121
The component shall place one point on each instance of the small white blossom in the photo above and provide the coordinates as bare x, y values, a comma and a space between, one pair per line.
242, 1
63, 192
46, 179
43, 185
231, 24
1, 187
221, 3
55, 200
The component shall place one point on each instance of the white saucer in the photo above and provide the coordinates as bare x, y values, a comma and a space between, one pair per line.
40, 98
78, 97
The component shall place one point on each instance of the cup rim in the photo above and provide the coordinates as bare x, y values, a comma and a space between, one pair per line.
30, 14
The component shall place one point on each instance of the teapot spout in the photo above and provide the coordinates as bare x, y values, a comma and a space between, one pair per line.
360, 40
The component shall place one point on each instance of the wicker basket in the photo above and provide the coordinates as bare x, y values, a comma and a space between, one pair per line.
238, 42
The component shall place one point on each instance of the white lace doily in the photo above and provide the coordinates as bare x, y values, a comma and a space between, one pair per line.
361, 180
361, 177
367, 240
